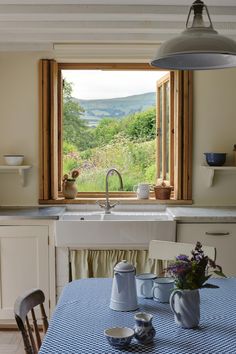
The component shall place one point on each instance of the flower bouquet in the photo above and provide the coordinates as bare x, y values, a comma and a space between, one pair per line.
71, 176
190, 275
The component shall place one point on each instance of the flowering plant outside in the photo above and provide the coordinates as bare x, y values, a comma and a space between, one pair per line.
192, 273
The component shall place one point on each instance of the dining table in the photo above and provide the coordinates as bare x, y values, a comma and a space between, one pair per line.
83, 313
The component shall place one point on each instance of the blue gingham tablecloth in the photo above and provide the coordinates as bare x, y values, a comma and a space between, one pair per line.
83, 313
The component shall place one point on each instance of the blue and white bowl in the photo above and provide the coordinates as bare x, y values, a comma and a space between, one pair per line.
119, 336
215, 158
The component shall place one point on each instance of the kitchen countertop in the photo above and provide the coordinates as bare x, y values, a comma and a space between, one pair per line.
203, 214
179, 214
49, 213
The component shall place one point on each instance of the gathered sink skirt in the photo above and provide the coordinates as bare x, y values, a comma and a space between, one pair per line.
100, 263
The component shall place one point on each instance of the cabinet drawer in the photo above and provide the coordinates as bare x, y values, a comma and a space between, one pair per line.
221, 236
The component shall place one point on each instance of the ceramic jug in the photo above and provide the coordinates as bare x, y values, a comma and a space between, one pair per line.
144, 332
69, 189
185, 304
124, 295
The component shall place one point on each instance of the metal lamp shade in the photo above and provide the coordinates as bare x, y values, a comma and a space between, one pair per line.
197, 48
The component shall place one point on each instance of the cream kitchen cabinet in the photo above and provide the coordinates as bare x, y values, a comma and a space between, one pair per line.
220, 235
24, 264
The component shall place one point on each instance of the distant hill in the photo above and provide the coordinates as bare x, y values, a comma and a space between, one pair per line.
116, 107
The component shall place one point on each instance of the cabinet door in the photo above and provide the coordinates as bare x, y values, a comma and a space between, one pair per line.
23, 264
221, 236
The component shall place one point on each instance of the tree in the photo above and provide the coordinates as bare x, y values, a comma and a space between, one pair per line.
141, 126
75, 128
105, 131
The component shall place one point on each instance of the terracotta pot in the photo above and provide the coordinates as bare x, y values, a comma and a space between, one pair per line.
162, 192
69, 189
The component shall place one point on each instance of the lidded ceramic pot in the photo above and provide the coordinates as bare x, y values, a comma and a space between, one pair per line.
124, 295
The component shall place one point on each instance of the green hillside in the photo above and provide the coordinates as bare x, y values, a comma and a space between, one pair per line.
115, 107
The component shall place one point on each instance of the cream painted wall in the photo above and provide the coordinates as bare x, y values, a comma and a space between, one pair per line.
19, 123
214, 128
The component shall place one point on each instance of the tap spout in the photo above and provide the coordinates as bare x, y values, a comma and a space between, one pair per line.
107, 206
109, 172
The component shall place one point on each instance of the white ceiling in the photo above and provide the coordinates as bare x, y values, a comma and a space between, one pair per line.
48, 24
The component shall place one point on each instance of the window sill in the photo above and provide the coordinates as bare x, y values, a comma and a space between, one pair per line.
127, 200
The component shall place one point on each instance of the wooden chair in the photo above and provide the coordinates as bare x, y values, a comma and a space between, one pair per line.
25, 305
167, 251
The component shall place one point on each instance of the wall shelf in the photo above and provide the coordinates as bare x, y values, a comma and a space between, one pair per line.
21, 170
211, 171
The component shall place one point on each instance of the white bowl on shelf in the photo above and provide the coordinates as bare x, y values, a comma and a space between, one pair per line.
14, 160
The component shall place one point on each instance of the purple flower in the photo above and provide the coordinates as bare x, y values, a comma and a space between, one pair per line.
179, 267
182, 257
190, 273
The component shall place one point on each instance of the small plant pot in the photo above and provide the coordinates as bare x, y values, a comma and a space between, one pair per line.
162, 192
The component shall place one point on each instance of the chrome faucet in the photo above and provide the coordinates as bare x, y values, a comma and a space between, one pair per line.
107, 206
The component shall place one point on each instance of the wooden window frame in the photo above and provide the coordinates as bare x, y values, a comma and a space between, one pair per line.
161, 136
51, 108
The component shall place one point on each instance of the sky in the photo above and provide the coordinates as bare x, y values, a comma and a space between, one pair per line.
99, 84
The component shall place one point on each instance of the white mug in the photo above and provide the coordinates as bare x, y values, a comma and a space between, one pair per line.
142, 190
162, 289
144, 284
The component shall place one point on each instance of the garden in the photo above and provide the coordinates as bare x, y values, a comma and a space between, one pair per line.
127, 143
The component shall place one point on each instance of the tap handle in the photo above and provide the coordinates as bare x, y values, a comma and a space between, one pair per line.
100, 203
114, 204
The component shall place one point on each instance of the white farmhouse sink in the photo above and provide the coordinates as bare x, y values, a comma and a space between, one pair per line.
117, 216
120, 230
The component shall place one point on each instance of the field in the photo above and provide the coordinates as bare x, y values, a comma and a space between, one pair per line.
135, 162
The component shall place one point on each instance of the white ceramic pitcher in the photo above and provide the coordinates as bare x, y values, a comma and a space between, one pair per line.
124, 295
185, 304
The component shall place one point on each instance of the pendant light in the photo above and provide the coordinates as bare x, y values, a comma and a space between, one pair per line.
198, 47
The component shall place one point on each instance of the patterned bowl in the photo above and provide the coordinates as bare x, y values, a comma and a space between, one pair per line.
119, 336
215, 158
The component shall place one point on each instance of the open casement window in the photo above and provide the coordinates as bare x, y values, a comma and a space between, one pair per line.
165, 129
173, 126
174, 132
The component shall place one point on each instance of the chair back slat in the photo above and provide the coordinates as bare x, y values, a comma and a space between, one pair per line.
24, 333
36, 330
44, 318
31, 337
25, 305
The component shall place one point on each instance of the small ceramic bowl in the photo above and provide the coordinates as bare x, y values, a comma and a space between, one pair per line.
14, 160
215, 158
119, 336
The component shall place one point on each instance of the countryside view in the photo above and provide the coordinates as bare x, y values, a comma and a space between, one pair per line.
109, 120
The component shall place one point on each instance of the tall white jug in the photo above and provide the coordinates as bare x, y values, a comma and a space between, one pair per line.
124, 295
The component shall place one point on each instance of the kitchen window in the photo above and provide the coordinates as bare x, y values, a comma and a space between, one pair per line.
173, 130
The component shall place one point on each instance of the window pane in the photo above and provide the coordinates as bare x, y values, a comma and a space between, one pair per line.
167, 130
160, 132
109, 120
